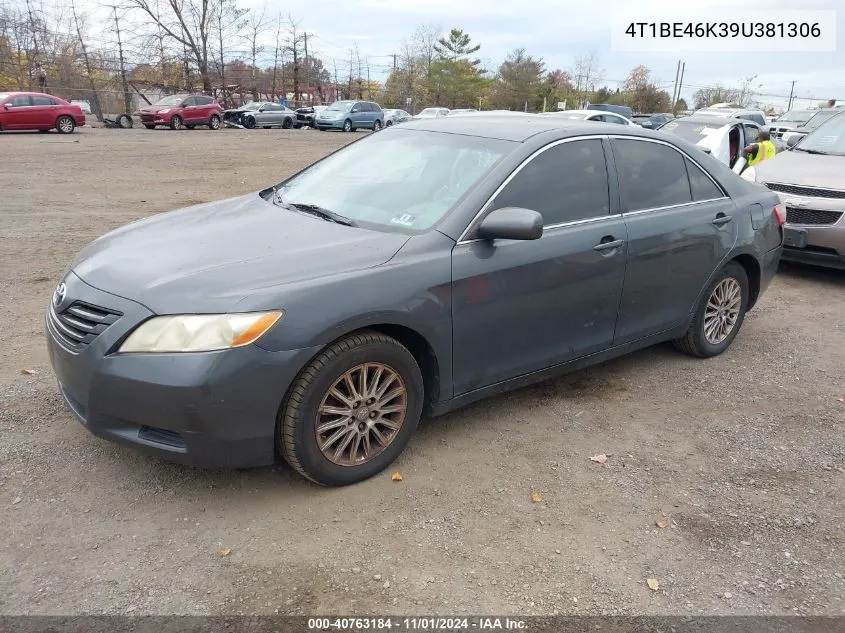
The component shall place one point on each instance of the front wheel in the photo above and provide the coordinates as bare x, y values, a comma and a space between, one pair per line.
347, 126
175, 122
249, 123
65, 125
214, 122
287, 123
376, 126
352, 410
719, 314
388, 124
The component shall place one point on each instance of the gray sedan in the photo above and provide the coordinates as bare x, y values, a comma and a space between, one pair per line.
410, 273
264, 114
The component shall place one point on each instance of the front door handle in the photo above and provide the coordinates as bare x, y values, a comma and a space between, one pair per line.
608, 244
722, 219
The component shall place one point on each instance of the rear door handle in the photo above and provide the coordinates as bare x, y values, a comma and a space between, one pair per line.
721, 220
608, 246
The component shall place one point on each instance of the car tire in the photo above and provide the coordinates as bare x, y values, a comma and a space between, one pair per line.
388, 124
175, 122
125, 121
376, 125
287, 123
214, 122
65, 125
383, 359
719, 314
347, 126
249, 123
150, 127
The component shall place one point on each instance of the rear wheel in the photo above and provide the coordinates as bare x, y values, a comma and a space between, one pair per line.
214, 122
352, 410
347, 126
65, 125
175, 122
376, 126
719, 315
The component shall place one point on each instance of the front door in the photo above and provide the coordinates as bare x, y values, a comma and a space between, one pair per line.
20, 113
522, 306
681, 227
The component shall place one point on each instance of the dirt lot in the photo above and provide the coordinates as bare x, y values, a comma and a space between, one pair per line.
743, 456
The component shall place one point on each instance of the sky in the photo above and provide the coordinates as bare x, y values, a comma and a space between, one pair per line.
558, 31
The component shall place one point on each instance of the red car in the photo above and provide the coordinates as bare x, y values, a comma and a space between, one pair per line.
177, 111
38, 111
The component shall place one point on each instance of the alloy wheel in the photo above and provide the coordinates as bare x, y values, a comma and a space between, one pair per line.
722, 310
361, 414
66, 125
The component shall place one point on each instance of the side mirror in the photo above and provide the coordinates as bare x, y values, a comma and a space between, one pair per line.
511, 223
792, 139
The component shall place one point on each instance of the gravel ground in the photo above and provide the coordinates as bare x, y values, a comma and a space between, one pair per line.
724, 480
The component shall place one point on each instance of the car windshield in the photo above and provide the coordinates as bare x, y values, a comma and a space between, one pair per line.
398, 180
173, 100
252, 105
819, 117
340, 106
430, 112
828, 138
796, 116
691, 131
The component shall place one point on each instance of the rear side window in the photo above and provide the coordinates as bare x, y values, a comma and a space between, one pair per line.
567, 182
43, 101
651, 175
190, 101
702, 187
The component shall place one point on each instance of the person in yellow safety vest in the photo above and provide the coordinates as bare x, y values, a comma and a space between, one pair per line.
763, 149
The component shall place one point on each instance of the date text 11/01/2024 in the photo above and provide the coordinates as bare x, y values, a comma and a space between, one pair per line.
416, 624
723, 29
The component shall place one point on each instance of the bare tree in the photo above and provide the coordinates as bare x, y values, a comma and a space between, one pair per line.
228, 22
98, 110
256, 26
587, 73
278, 54
295, 39
127, 99
426, 39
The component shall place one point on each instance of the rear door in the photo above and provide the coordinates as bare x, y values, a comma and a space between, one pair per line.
522, 306
681, 227
190, 111
19, 113
205, 107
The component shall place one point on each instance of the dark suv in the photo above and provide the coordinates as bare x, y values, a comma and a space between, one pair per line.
185, 110
349, 115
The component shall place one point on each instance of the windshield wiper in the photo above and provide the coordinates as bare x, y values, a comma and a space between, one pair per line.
810, 151
313, 209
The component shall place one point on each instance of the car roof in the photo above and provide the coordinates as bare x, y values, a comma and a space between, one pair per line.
521, 128
717, 121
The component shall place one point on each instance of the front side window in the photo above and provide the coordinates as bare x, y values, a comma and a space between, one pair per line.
400, 180
190, 101
20, 101
651, 175
565, 183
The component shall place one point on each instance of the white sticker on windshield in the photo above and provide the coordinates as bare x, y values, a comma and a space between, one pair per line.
406, 219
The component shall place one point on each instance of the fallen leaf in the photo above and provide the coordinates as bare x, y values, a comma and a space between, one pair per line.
223, 552
397, 476
27, 372
599, 459
662, 523
653, 584
16, 501
536, 497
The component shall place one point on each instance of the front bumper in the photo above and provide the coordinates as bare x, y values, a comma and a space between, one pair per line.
154, 119
213, 409
329, 125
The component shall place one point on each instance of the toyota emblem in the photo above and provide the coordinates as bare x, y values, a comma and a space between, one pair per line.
59, 294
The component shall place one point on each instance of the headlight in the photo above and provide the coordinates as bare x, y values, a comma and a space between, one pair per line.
165, 111
199, 332
750, 174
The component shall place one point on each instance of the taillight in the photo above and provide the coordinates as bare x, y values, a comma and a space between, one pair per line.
780, 213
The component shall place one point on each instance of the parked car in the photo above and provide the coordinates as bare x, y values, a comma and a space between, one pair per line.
722, 137
185, 110
263, 114
38, 111
651, 121
392, 117
810, 180
819, 117
432, 113
305, 116
412, 272
350, 115
84, 105
461, 111
758, 116
788, 121
600, 116
623, 111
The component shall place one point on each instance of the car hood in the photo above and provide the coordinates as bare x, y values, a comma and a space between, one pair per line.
800, 168
209, 257
158, 108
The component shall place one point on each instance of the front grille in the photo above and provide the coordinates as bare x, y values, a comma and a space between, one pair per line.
80, 323
161, 436
816, 217
811, 192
